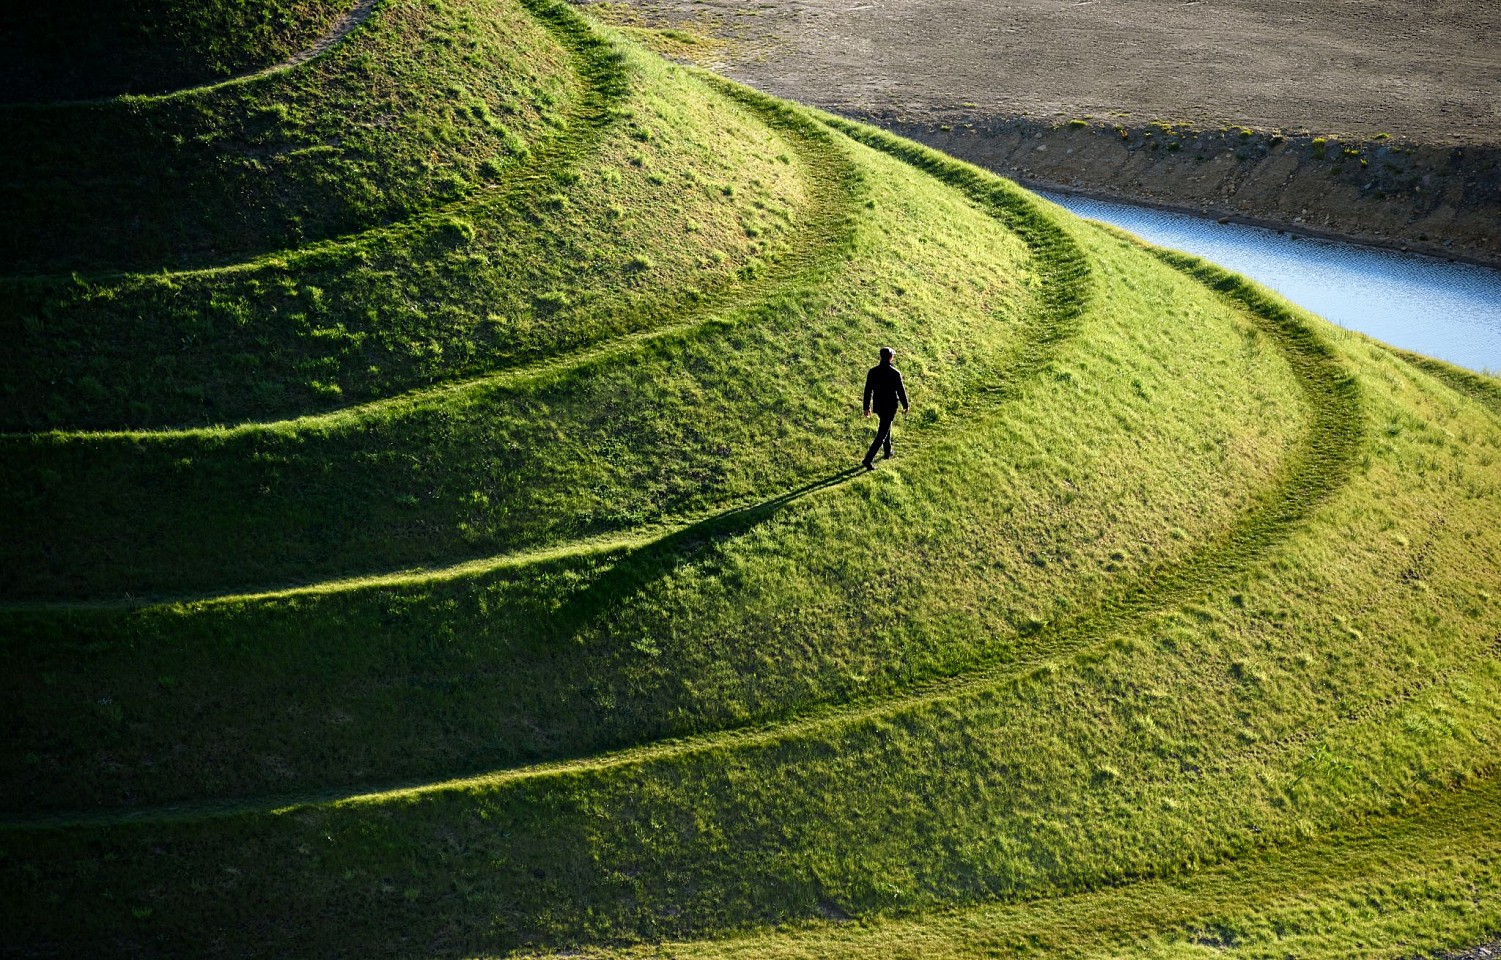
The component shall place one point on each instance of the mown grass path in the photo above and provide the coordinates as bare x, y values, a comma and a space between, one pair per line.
340, 29
817, 247
606, 83
1189, 604
1316, 468
238, 187
819, 252
1065, 294
1482, 389
1281, 902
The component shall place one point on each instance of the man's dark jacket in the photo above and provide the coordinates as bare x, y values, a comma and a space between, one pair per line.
884, 390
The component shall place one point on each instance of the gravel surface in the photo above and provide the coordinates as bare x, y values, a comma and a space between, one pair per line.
1429, 71
1377, 121
1486, 951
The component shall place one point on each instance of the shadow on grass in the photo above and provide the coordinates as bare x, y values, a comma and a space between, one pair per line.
504, 708
659, 559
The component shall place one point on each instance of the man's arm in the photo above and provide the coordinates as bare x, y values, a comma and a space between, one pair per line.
901, 392
870, 388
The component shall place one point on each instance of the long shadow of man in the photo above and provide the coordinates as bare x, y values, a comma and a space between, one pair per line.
884, 391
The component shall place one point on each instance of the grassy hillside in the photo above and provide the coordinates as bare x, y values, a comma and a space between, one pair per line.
424, 103
494, 575
76, 49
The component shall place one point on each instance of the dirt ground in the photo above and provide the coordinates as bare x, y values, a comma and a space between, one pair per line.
1425, 70
1373, 120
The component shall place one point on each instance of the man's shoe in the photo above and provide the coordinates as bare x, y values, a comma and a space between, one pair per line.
886, 455
868, 465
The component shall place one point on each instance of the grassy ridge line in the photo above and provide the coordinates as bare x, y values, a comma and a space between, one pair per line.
1295, 900
469, 815
1486, 390
823, 719
341, 28
822, 246
135, 45
1067, 288
1068, 639
1317, 467
1066, 292
345, 25
708, 525
1320, 463
606, 84
338, 31
304, 155
469, 392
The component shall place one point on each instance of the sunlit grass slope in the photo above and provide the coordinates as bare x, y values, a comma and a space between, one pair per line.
495, 577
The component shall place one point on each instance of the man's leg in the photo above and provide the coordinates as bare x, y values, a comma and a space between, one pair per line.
883, 436
887, 424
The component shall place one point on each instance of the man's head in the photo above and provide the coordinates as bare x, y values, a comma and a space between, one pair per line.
886, 354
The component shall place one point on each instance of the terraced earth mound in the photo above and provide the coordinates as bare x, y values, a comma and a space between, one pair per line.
430, 526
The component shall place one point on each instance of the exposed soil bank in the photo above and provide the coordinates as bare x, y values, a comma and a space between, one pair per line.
1414, 91
1486, 951
1443, 200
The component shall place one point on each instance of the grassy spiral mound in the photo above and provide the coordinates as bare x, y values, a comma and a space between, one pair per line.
430, 525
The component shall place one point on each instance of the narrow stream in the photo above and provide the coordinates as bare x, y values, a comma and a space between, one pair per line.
1447, 310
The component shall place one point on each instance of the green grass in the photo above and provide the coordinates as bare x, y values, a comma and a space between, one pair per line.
424, 102
1398, 887
1170, 631
74, 50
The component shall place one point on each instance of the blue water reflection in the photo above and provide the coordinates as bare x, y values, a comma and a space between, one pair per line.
1442, 309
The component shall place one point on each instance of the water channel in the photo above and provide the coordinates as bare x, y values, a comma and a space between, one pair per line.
1442, 309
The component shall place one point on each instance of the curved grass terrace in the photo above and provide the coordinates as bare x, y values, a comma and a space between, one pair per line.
1170, 629
154, 46
225, 173
549, 325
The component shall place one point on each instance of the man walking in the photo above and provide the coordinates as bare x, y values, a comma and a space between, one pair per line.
883, 391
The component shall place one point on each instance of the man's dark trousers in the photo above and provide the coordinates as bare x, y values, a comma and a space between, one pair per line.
884, 392
883, 435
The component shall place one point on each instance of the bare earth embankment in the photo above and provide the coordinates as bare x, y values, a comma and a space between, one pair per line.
1376, 120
